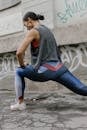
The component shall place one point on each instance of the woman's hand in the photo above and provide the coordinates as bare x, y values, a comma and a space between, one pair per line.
25, 63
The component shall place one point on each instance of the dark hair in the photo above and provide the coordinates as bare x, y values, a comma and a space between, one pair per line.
33, 16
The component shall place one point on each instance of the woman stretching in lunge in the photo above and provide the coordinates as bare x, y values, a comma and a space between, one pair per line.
45, 61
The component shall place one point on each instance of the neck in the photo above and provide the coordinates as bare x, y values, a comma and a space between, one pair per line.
36, 23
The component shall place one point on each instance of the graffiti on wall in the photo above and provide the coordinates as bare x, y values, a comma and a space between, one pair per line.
8, 63
72, 8
71, 56
74, 56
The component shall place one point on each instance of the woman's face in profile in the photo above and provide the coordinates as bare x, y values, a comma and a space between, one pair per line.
28, 24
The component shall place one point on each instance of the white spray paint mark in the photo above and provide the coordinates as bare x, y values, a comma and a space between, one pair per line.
71, 55
8, 64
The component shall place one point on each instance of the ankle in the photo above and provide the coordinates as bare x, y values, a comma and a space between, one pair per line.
21, 100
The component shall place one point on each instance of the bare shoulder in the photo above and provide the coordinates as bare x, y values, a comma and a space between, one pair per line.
32, 33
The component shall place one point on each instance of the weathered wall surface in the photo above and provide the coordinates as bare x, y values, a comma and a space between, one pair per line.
11, 26
68, 21
8, 3
71, 20
68, 18
74, 57
44, 7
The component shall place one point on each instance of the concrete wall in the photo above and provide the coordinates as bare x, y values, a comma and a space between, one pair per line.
11, 26
44, 7
71, 21
8, 3
66, 18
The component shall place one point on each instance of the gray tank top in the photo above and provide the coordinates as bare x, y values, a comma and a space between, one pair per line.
47, 49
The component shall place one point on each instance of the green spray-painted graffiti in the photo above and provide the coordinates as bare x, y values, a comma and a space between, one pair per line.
72, 8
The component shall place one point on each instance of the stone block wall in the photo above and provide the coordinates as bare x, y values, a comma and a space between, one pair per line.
69, 28
74, 57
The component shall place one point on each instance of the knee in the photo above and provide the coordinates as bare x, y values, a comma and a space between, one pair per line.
18, 71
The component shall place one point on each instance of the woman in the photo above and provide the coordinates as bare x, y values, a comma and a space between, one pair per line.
45, 61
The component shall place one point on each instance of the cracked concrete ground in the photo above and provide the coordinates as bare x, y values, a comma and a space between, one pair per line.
61, 110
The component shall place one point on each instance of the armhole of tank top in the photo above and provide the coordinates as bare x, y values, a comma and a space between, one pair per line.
38, 31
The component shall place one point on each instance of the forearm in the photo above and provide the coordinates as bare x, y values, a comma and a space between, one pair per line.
20, 59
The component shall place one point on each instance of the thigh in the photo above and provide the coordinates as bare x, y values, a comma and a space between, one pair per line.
52, 74
25, 72
30, 73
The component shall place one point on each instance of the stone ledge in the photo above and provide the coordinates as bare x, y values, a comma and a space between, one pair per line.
10, 43
72, 34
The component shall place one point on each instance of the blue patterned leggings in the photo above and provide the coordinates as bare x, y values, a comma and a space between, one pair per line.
62, 76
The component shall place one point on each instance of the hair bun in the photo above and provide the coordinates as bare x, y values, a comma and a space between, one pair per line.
41, 17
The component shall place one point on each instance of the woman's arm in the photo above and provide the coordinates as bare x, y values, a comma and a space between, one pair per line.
31, 35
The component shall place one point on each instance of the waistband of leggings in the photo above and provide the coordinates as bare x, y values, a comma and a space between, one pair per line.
52, 67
